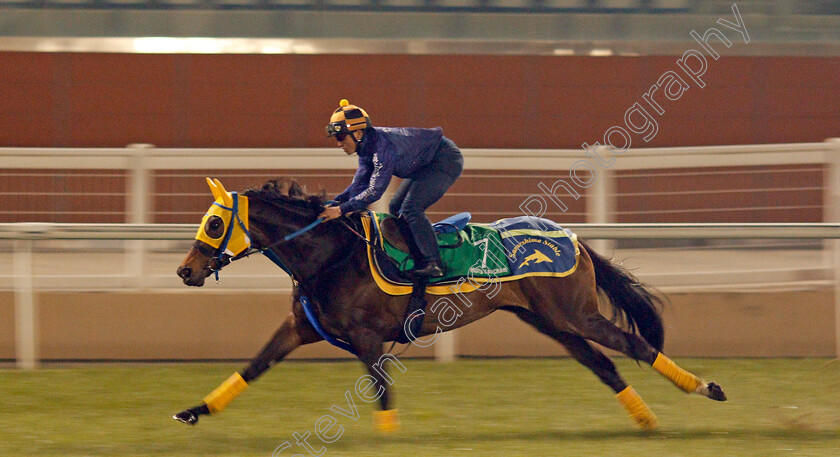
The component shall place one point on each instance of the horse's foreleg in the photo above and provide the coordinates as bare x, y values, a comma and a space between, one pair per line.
368, 345
289, 336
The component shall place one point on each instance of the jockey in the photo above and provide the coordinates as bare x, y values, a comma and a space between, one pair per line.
427, 161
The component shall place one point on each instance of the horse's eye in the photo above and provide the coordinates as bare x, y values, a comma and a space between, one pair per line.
215, 227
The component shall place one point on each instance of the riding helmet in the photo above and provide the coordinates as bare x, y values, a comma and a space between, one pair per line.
347, 118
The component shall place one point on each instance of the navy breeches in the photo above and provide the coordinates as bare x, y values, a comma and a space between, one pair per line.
428, 185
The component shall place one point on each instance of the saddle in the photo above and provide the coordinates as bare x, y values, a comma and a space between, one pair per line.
396, 232
455, 242
472, 254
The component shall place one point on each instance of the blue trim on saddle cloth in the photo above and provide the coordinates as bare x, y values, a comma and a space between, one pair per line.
536, 245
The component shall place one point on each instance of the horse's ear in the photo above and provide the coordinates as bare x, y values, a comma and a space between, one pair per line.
294, 189
224, 194
217, 192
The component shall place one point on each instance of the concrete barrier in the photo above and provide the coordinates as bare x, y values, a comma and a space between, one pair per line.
196, 325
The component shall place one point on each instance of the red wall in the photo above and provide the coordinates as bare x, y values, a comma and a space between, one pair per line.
110, 100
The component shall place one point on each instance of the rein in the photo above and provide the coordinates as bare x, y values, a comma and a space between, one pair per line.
286, 238
220, 261
266, 251
359, 235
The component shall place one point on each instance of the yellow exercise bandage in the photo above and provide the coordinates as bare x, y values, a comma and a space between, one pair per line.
683, 379
638, 409
225, 393
387, 421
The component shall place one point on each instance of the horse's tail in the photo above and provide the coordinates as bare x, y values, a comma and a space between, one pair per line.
632, 301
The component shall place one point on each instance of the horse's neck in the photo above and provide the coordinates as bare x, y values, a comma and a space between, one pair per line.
308, 253
346, 268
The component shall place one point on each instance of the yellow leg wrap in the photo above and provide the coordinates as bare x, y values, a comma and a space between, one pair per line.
683, 379
224, 394
387, 421
638, 409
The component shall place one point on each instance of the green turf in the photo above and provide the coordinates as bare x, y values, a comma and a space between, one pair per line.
533, 407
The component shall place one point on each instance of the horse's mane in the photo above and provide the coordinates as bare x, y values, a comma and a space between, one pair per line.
288, 190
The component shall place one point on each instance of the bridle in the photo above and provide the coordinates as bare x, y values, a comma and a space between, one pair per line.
220, 259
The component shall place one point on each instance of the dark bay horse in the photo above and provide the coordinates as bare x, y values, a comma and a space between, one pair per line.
329, 266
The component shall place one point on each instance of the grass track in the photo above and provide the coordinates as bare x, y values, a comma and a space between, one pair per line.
511, 407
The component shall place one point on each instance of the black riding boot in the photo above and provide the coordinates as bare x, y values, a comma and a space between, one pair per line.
405, 231
414, 313
423, 265
428, 264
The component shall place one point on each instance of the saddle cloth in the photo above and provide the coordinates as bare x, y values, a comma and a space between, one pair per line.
506, 250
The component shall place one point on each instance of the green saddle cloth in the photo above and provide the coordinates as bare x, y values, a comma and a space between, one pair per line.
480, 255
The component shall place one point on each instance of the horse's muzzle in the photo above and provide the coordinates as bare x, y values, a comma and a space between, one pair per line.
192, 277
194, 269
185, 273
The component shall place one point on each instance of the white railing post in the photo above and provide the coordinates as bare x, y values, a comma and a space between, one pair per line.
138, 207
26, 314
601, 205
832, 214
445, 347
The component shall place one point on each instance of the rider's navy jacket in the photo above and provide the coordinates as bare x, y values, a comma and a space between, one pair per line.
385, 152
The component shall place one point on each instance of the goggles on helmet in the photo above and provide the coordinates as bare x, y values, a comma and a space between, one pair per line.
338, 130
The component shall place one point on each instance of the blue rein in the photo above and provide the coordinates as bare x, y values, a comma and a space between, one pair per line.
309, 227
308, 309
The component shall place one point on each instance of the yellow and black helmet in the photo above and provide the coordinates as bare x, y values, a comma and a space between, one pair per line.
347, 118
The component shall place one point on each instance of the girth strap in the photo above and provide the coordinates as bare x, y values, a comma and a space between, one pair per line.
309, 311
313, 319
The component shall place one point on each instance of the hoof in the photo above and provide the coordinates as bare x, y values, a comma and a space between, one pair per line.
187, 417
715, 392
648, 423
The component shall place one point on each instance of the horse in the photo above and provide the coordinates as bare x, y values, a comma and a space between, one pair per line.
332, 275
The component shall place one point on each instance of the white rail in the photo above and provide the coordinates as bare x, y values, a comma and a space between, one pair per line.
169, 232
475, 159
25, 235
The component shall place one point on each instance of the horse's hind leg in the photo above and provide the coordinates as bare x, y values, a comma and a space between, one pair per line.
289, 336
601, 365
604, 368
604, 332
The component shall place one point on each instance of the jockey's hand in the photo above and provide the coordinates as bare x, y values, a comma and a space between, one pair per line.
330, 213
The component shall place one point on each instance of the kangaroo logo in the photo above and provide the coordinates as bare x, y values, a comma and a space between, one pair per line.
537, 257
